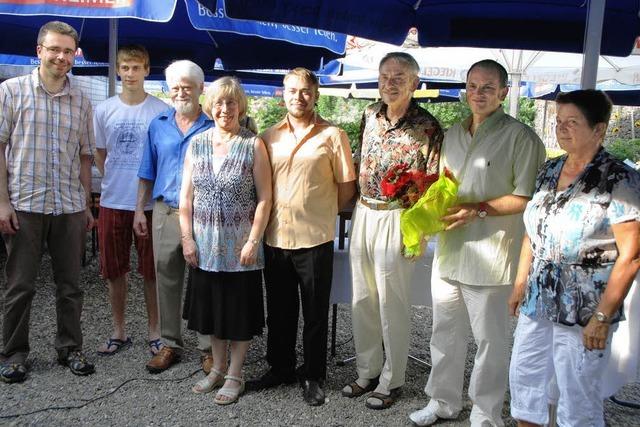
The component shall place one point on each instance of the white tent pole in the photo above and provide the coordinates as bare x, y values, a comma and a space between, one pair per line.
544, 121
113, 50
592, 42
514, 94
516, 77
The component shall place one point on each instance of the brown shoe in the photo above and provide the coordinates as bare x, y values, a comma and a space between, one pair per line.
207, 363
162, 361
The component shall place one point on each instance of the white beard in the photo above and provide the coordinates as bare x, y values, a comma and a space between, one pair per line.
185, 107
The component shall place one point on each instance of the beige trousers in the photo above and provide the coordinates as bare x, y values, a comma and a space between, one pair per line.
456, 307
381, 279
170, 267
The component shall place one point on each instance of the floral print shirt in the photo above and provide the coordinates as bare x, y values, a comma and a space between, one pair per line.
415, 140
571, 238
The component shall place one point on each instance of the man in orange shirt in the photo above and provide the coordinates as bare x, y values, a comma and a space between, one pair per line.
313, 176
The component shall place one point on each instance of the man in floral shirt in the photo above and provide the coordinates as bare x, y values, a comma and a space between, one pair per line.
394, 131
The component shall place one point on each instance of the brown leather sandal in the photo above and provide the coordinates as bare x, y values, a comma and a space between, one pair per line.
386, 400
354, 390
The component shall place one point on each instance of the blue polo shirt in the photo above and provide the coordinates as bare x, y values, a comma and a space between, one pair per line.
164, 153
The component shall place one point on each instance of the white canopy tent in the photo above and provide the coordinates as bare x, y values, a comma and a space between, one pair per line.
452, 63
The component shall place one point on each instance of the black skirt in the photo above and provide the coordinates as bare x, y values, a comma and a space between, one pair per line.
227, 305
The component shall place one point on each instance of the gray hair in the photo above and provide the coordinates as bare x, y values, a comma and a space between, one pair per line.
404, 58
184, 69
57, 27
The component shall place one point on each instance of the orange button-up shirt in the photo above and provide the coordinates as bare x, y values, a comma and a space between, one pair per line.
306, 174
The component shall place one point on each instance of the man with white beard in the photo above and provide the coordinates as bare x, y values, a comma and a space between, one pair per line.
160, 176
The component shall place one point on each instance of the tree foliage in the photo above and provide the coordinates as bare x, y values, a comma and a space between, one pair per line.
448, 113
266, 111
526, 111
347, 113
625, 149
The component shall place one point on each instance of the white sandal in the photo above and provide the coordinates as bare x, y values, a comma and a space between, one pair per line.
208, 383
232, 394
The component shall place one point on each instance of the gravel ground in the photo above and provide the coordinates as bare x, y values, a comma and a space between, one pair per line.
123, 393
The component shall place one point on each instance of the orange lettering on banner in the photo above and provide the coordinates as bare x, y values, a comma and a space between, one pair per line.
110, 4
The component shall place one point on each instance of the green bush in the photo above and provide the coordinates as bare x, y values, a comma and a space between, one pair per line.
526, 111
347, 113
625, 149
353, 130
554, 152
270, 112
450, 113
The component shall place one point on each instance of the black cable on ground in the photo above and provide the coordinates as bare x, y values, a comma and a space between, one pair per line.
625, 403
345, 342
95, 399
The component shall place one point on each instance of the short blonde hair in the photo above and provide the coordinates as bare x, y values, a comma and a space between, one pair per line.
133, 52
304, 74
225, 87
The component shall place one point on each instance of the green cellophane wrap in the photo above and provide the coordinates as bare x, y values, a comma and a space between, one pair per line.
422, 220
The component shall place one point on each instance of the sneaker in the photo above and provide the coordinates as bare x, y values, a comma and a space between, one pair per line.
13, 372
424, 417
77, 363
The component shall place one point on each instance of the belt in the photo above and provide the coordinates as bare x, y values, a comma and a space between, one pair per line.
380, 206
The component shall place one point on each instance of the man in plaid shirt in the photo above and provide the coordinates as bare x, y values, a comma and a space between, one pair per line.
46, 140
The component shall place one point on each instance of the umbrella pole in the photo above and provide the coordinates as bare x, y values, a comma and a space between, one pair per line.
514, 94
113, 50
592, 42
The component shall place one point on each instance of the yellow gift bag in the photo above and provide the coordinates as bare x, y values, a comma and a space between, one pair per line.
422, 220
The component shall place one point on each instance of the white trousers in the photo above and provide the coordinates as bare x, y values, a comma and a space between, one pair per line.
543, 350
457, 306
381, 279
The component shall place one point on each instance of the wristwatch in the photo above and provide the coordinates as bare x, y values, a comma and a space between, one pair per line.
601, 317
254, 241
482, 209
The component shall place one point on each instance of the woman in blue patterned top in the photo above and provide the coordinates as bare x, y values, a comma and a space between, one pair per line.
577, 263
224, 208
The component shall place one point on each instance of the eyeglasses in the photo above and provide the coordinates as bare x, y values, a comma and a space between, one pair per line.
58, 50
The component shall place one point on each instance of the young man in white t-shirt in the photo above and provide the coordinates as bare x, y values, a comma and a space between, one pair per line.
121, 123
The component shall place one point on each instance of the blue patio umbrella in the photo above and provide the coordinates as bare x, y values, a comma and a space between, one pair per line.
166, 41
591, 26
552, 25
620, 94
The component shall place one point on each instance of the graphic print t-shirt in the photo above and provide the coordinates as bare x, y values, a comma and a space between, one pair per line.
121, 129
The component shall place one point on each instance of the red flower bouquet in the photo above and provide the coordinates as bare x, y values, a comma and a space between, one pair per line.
405, 185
